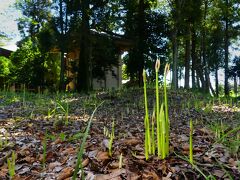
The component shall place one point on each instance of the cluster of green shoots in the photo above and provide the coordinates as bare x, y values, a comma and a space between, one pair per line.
161, 117
227, 136
11, 165
111, 138
59, 108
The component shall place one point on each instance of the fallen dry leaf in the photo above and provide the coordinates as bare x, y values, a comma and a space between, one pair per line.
114, 165
3, 172
232, 162
218, 173
69, 151
65, 173
131, 141
150, 175
112, 175
85, 162
133, 176
185, 147
54, 164
29, 159
101, 156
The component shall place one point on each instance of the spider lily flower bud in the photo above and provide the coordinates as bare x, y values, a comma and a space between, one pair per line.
157, 65
167, 68
144, 75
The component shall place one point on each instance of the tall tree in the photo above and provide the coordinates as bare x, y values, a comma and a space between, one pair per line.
226, 47
35, 15
176, 9
61, 26
147, 27
83, 78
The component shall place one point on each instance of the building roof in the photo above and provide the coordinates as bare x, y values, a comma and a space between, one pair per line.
5, 52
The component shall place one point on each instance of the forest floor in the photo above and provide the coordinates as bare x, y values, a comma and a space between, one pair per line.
45, 133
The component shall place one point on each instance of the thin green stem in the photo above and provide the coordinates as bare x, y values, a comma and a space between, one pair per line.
81, 150
166, 109
191, 143
157, 65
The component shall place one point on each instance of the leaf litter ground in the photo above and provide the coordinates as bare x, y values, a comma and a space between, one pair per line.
25, 123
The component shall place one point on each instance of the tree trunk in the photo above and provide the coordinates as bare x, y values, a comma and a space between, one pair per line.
200, 76
194, 37
209, 83
226, 54
187, 57
235, 84
140, 45
198, 81
62, 70
216, 81
211, 88
83, 78
62, 84
175, 59
206, 84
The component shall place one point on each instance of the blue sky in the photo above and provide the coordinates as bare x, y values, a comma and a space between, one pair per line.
8, 25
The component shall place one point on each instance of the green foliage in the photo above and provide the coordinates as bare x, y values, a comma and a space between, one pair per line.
5, 66
111, 138
124, 72
148, 28
28, 64
35, 14
33, 67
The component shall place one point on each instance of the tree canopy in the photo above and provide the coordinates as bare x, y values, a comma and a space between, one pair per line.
193, 36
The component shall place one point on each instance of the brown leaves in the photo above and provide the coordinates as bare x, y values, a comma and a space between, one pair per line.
65, 173
102, 156
114, 175
131, 141
150, 175
127, 111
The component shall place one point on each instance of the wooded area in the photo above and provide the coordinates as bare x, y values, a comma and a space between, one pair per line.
65, 113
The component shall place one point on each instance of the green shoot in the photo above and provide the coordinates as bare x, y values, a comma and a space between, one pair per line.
62, 136
65, 110
81, 150
153, 136
11, 165
157, 66
167, 123
146, 140
162, 133
191, 143
146, 119
111, 140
